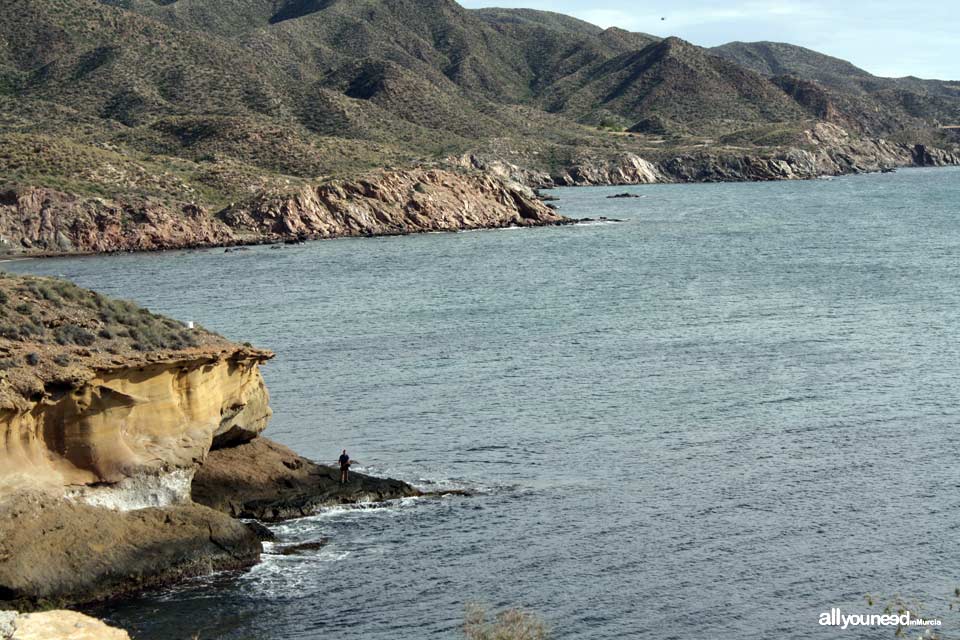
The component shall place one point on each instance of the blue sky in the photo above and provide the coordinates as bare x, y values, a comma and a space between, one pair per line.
884, 37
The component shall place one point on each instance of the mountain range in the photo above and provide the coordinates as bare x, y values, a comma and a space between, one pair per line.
214, 102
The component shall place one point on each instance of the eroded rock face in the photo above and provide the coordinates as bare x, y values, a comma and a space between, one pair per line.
395, 202
41, 220
828, 150
134, 423
628, 169
57, 552
825, 149
61, 625
924, 156
267, 481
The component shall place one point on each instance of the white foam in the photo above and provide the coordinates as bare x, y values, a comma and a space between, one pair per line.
138, 492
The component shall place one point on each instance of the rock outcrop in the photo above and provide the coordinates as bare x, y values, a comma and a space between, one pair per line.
107, 401
825, 149
924, 156
125, 424
62, 552
394, 203
37, 220
56, 625
106, 413
267, 481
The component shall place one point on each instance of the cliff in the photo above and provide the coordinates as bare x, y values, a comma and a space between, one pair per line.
36, 220
107, 412
98, 394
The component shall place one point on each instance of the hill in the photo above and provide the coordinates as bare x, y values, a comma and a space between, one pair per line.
879, 106
188, 102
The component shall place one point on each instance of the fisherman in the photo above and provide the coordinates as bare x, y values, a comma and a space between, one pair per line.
344, 467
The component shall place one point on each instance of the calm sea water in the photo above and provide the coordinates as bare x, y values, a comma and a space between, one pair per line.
719, 418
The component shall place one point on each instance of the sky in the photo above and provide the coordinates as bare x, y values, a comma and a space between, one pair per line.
884, 37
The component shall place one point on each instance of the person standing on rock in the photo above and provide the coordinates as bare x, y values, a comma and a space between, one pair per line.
345, 463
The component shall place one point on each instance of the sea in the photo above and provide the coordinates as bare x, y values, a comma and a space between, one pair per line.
719, 414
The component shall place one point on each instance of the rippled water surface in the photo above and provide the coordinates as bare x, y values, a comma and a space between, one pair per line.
716, 419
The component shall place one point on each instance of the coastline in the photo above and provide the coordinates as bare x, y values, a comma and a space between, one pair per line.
130, 449
470, 193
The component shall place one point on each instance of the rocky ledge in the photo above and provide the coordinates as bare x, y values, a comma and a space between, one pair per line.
823, 150
112, 420
269, 482
42, 221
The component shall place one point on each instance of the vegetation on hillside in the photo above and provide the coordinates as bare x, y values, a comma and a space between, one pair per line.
211, 102
51, 330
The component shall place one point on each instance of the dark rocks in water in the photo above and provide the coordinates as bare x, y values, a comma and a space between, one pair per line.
546, 197
267, 481
463, 493
264, 534
600, 219
56, 552
889, 170
300, 239
624, 195
303, 547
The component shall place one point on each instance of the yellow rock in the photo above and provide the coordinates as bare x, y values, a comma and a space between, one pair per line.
64, 625
127, 422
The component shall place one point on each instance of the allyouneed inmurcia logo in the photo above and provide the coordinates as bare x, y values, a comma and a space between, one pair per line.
835, 618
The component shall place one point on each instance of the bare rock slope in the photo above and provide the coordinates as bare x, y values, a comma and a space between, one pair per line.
37, 220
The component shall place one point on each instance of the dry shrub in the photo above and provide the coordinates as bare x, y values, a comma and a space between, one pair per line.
512, 624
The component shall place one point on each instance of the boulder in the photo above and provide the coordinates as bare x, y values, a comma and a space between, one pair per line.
60, 625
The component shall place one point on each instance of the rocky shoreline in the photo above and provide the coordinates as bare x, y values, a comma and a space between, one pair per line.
125, 466
464, 193
826, 150
37, 221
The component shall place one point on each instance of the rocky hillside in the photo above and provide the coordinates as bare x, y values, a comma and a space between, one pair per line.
50, 221
107, 414
867, 103
180, 117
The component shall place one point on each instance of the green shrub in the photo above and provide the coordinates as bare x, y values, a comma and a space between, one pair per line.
9, 331
72, 334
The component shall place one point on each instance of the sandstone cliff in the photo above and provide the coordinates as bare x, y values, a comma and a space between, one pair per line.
97, 394
107, 411
47, 221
